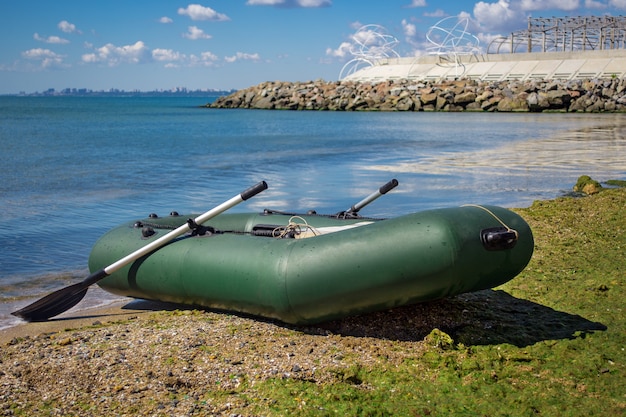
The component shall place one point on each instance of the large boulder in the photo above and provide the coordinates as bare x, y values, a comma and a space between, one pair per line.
587, 185
513, 104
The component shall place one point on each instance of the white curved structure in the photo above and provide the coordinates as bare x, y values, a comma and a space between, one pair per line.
450, 37
501, 67
455, 54
451, 40
372, 43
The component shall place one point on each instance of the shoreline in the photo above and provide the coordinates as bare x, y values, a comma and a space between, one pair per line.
557, 328
73, 319
121, 309
464, 95
95, 298
92, 316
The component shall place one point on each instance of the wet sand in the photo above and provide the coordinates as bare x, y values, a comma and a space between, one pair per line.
77, 319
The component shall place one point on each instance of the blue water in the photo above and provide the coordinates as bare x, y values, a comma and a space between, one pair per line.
73, 167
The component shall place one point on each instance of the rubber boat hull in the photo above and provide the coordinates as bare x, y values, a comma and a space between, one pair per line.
369, 266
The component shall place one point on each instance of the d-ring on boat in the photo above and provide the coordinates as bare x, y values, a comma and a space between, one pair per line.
309, 268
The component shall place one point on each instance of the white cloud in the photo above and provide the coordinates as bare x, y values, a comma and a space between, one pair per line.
198, 12
464, 15
208, 56
593, 4
373, 37
510, 15
242, 56
410, 35
532, 5
417, 3
165, 19
497, 16
436, 13
619, 4
114, 55
67, 27
47, 58
50, 39
175, 59
313, 3
37, 53
372, 41
206, 59
195, 33
487, 38
291, 3
409, 29
342, 51
138, 53
170, 58
167, 55
356, 25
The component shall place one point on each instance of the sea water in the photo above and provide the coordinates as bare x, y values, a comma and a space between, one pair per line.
71, 168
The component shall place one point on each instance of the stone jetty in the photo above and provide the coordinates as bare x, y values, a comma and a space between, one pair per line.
597, 95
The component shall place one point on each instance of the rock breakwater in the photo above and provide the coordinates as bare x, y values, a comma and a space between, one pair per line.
598, 95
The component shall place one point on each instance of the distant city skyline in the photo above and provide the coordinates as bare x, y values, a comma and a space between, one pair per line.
179, 91
149, 45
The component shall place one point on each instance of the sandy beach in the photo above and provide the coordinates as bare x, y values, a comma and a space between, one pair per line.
76, 319
550, 338
132, 358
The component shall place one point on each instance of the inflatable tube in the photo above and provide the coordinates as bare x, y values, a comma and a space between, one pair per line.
260, 264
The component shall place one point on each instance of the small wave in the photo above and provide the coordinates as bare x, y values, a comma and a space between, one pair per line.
17, 295
19, 287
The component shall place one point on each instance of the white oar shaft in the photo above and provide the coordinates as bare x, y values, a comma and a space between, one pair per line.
181, 230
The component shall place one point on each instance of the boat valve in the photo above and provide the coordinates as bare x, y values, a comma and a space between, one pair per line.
498, 238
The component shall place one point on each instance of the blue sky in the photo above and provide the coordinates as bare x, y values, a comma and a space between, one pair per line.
218, 44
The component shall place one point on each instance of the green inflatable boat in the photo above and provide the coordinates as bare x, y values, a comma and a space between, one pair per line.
309, 268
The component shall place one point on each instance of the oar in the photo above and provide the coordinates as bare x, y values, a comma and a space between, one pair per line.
382, 190
66, 298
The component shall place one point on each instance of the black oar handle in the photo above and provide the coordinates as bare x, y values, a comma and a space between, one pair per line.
388, 187
382, 190
254, 190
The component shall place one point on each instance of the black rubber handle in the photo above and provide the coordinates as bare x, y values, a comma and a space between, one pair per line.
388, 187
254, 190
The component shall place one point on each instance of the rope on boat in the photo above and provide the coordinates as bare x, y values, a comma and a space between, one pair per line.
508, 229
295, 229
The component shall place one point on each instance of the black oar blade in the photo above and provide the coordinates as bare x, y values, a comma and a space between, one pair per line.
66, 298
53, 304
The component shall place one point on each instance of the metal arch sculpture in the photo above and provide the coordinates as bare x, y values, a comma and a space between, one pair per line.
371, 43
451, 41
